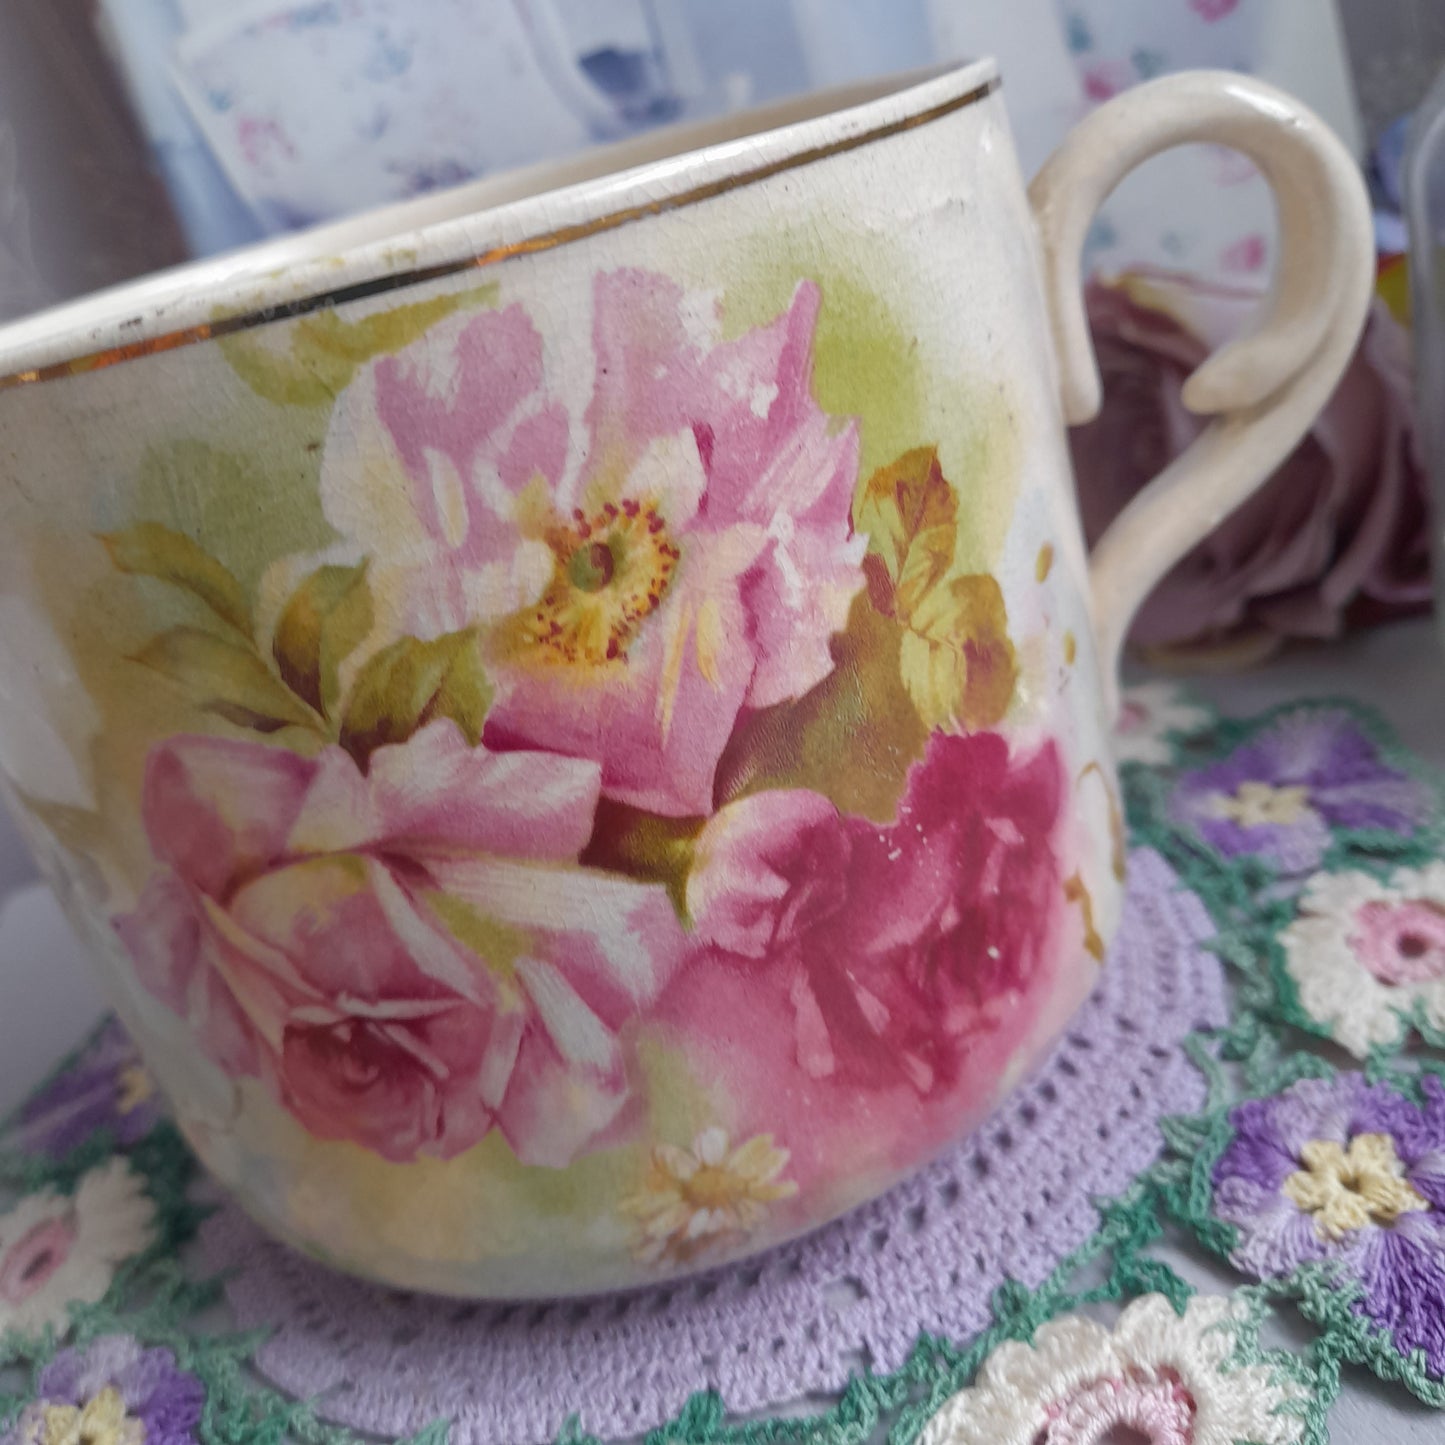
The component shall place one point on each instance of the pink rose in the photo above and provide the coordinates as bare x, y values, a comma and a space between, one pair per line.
691, 555
1339, 533
405, 957
895, 947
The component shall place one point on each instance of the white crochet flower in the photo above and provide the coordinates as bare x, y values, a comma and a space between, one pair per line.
57, 1249
1365, 956
1164, 1377
1149, 715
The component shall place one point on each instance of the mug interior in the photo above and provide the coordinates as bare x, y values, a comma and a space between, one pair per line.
661, 166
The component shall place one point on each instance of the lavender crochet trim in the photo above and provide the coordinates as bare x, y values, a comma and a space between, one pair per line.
1009, 1203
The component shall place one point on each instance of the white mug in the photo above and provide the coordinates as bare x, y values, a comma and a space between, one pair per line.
574, 715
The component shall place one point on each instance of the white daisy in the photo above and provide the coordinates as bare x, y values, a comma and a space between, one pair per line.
693, 1200
62, 1249
1149, 715
1158, 1375
1367, 956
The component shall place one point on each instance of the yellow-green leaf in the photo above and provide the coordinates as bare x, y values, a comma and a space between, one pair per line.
645, 846
225, 678
910, 514
322, 352
411, 683
956, 659
852, 738
151, 550
327, 617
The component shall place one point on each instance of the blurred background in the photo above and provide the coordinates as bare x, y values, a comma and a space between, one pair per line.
134, 133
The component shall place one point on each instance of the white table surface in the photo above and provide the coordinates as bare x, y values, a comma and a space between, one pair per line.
49, 999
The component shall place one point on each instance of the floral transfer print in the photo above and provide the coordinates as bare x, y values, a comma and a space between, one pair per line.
1347, 1172
1279, 794
114, 1391
805, 904
372, 945
57, 1250
625, 743
1367, 957
692, 1197
697, 558
1157, 1376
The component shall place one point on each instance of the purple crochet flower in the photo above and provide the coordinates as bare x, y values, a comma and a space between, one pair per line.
1279, 794
107, 1087
112, 1392
1340, 1170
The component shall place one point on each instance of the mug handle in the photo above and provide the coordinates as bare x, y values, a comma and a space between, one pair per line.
1263, 389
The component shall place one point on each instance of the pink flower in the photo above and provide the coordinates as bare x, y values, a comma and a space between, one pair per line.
405, 956
703, 557
1249, 253
1211, 11
1338, 534
1104, 79
691, 557
895, 947
426, 454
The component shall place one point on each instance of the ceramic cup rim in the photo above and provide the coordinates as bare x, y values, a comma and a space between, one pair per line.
466, 227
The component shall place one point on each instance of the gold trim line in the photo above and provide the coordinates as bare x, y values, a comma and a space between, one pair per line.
395, 281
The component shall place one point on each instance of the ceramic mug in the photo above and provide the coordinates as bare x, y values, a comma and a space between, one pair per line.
576, 720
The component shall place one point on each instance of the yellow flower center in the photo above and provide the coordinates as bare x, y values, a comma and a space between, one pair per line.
101, 1421
612, 568
134, 1088
1256, 805
1346, 1189
715, 1186
693, 1198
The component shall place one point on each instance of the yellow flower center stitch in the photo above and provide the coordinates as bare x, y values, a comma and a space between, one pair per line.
134, 1087
612, 568
691, 1198
1345, 1189
101, 1421
1257, 805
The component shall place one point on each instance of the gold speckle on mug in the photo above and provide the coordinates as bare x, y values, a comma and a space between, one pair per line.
1045, 561
1071, 648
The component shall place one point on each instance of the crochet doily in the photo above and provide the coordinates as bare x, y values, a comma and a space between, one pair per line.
1009, 1203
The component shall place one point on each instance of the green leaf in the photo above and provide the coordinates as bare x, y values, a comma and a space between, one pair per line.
229, 680
151, 550
860, 712
411, 683
956, 659
910, 514
322, 352
326, 619
645, 846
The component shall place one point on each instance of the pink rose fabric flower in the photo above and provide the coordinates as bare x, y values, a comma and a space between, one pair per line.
407, 957
1339, 534
688, 552
895, 946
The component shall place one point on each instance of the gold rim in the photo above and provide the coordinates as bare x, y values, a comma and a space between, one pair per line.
564, 235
